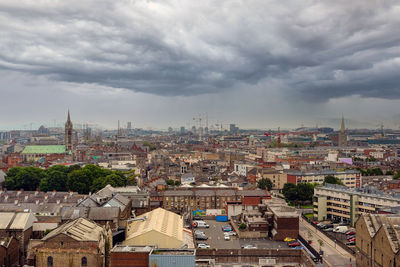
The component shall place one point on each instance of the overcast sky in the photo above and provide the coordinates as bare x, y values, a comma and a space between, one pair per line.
256, 63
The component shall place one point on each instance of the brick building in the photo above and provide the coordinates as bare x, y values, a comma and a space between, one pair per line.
9, 252
75, 244
18, 225
377, 240
209, 197
285, 222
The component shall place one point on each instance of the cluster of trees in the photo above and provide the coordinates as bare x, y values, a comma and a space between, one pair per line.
300, 193
173, 183
90, 178
332, 180
373, 172
264, 183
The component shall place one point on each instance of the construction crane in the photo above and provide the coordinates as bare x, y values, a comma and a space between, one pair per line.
279, 134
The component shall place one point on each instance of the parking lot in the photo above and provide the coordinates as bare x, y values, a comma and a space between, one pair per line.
216, 238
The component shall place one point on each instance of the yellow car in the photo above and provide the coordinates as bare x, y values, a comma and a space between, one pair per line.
288, 239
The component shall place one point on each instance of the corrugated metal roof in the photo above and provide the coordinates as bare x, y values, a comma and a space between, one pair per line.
79, 229
160, 220
50, 149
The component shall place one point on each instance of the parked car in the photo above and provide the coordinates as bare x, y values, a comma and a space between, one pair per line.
249, 247
226, 228
326, 226
201, 237
288, 239
340, 229
199, 232
294, 244
351, 243
315, 222
231, 233
202, 245
320, 225
197, 218
227, 237
328, 229
351, 232
352, 239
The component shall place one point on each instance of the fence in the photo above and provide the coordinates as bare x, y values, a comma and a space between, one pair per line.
333, 237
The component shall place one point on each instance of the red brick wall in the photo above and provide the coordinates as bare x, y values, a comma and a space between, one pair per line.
129, 259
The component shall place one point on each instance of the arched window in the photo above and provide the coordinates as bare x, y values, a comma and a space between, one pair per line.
50, 261
84, 261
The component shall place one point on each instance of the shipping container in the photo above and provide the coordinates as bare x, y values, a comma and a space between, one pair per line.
221, 218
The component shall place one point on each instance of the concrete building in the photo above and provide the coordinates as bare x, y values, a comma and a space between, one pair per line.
350, 178
378, 240
78, 243
346, 204
160, 228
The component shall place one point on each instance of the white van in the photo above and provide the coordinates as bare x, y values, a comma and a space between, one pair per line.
200, 224
340, 229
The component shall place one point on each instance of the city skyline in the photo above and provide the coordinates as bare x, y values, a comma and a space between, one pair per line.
159, 64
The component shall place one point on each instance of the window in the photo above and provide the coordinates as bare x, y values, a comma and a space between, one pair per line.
49, 261
84, 261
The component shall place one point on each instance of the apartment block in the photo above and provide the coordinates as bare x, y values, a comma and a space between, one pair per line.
350, 178
333, 202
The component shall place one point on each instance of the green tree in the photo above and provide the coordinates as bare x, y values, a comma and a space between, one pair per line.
170, 182
305, 192
79, 181
177, 183
55, 180
389, 172
24, 178
290, 192
264, 183
332, 180
242, 226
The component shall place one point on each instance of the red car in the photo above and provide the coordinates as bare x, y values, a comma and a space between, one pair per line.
294, 244
352, 239
351, 233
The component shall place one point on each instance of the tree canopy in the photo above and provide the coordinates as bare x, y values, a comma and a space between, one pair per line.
302, 192
264, 183
332, 180
90, 178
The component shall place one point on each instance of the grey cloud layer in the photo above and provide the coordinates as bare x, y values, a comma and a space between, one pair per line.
314, 49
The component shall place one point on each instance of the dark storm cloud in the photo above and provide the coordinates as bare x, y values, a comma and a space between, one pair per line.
317, 50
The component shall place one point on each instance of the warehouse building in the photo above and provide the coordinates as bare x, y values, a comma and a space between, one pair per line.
160, 228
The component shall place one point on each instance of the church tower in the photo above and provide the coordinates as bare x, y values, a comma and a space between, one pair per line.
68, 134
342, 135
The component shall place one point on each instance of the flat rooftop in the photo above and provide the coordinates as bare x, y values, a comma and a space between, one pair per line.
122, 248
173, 252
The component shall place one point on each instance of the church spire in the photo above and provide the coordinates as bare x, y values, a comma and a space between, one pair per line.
69, 117
342, 128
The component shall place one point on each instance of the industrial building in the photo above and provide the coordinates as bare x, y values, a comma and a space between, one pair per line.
160, 228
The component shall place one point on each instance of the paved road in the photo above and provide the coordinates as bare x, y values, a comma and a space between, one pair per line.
333, 254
